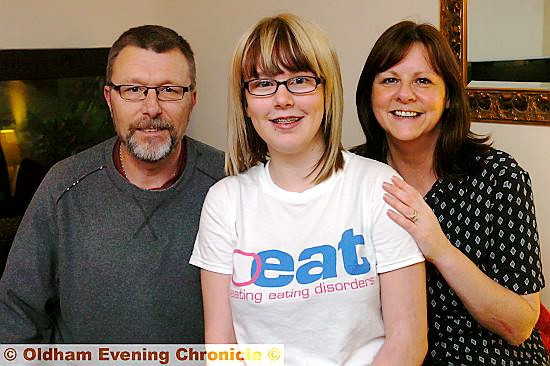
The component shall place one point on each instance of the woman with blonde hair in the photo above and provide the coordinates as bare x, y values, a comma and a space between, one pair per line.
295, 245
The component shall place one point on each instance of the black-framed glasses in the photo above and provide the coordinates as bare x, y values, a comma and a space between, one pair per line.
167, 93
295, 85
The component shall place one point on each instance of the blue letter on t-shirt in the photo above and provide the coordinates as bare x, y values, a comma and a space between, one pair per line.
285, 264
328, 265
351, 262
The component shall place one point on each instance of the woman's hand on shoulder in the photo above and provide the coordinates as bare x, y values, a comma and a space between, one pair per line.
413, 214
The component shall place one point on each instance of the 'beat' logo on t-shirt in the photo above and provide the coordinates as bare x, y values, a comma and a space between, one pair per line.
283, 268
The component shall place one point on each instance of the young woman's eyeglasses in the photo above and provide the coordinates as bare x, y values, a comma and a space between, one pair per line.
139, 92
295, 85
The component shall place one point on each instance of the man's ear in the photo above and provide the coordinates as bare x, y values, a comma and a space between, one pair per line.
107, 95
194, 97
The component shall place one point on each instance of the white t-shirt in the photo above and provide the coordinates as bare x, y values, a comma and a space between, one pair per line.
305, 265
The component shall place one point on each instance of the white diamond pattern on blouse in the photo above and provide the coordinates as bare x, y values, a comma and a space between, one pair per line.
497, 206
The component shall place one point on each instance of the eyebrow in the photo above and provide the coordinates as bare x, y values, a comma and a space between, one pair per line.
291, 75
416, 73
133, 81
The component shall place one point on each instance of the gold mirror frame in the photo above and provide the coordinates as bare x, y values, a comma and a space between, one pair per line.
496, 105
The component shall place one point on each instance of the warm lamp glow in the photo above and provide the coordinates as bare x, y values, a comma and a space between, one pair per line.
17, 94
12, 154
8, 140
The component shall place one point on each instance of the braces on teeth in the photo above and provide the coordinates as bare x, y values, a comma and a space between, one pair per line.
285, 121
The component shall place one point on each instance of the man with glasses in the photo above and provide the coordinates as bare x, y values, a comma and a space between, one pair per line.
102, 253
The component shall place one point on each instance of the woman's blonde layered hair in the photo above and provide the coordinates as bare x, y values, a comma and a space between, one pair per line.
273, 45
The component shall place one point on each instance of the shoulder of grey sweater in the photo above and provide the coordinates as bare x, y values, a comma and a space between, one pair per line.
209, 160
70, 172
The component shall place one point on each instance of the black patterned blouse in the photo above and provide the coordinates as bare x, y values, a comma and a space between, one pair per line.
491, 219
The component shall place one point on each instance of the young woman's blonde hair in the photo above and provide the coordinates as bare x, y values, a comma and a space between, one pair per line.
273, 45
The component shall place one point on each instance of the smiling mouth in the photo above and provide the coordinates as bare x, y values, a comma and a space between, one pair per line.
285, 121
405, 114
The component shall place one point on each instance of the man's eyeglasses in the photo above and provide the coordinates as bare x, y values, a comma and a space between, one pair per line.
167, 93
295, 85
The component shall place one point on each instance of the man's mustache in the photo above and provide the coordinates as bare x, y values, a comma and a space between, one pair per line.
151, 124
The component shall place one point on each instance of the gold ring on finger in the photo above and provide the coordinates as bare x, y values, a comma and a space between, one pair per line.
414, 217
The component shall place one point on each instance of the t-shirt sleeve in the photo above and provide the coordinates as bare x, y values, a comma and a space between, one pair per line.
514, 247
215, 239
395, 248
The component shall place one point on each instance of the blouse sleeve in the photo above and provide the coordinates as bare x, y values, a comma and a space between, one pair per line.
514, 245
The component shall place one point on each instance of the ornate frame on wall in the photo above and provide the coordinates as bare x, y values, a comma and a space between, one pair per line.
496, 105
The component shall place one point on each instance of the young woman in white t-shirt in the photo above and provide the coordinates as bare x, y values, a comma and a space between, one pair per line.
296, 246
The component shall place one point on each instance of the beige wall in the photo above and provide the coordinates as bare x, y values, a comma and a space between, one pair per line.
516, 33
213, 27
546, 21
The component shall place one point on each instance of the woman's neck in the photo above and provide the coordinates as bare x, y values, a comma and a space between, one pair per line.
296, 172
415, 163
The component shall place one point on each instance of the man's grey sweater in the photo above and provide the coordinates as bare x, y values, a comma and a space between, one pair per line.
98, 260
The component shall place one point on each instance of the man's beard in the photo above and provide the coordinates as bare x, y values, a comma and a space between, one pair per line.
152, 150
